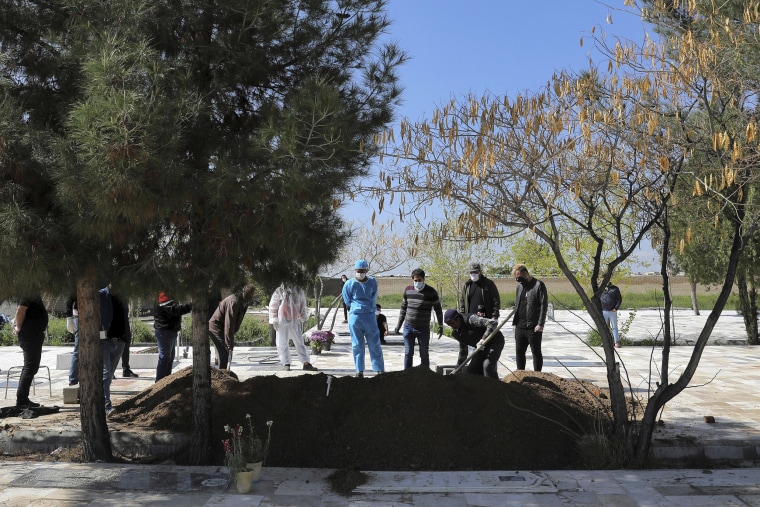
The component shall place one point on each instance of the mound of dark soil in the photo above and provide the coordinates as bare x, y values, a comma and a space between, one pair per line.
407, 420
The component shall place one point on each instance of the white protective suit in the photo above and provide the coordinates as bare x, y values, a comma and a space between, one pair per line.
287, 312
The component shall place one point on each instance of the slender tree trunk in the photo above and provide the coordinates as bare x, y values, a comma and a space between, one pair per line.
200, 433
748, 300
694, 300
96, 442
667, 391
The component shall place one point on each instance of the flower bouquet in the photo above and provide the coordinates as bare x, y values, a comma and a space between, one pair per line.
241, 449
321, 340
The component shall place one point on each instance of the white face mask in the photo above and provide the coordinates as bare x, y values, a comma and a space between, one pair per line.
419, 285
361, 276
377, 312
474, 277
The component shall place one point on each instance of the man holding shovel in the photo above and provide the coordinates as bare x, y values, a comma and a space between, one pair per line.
469, 330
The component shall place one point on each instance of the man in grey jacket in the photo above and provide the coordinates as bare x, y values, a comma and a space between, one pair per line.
531, 306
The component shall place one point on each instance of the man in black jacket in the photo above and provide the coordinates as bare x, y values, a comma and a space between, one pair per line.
167, 322
469, 329
611, 300
480, 295
531, 306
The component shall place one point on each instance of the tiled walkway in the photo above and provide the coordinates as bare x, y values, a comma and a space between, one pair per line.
724, 387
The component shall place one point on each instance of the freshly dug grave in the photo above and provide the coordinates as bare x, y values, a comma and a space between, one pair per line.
406, 420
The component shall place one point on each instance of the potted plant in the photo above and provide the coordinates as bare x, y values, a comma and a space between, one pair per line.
321, 340
245, 454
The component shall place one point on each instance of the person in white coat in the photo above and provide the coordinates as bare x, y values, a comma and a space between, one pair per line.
287, 312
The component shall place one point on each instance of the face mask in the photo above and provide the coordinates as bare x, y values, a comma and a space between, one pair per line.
520, 279
474, 277
361, 276
377, 312
419, 285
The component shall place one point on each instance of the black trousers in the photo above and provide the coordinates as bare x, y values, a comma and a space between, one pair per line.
125, 355
486, 361
221, 350
32, 347
523, 339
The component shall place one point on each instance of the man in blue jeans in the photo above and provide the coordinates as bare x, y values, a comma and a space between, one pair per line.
360, 295
417, 307
115, 332
72, 327
167, 322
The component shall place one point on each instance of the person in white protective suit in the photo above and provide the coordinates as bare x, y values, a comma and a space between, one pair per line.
287, 312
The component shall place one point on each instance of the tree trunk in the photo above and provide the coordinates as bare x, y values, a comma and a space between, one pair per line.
665, 391
748, 301
694, 300
200, 433
96, 442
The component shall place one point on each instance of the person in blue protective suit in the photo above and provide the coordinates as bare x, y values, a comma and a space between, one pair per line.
360, 295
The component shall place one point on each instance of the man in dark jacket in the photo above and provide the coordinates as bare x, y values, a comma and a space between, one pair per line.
167, 322
30, 325
531, 306
417, 307
226, 320
480, 295
469, 329
115, 333
611, 301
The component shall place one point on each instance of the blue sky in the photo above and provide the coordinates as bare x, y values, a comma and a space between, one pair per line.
498, 46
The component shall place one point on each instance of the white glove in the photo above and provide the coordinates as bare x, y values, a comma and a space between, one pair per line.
276, 324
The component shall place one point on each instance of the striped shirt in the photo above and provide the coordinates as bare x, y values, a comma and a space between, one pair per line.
418, 306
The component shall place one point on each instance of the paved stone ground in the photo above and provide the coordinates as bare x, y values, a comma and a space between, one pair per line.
724, 387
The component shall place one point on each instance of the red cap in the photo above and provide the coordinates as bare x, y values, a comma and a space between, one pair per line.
162, 297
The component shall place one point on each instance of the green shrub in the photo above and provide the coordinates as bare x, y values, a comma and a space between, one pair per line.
6, 335
142, 332
57, 333
595, 339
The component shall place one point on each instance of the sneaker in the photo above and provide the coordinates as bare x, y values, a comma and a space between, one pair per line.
129, 373
286, 367
73, 383
109, 411
27, 404
617, 345
309, 367
359, 374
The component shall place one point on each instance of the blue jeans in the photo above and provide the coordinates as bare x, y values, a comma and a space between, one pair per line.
422, 335
363, 328
166, 341
112, 351
610, 318
74, 369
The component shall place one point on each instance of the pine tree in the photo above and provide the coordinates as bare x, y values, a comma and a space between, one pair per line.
182, 146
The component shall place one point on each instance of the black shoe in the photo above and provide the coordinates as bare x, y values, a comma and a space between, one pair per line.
383, 342
27, 404
359, 374
309, 367
129, 373
286, 367
73, 383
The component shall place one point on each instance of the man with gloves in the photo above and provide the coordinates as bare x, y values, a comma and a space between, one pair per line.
167, 323
469, 330
287, 312
360, 295
417, 306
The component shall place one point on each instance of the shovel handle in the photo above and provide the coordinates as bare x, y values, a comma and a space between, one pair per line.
482, 343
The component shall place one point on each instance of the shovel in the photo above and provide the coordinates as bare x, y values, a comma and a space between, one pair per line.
482, 343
